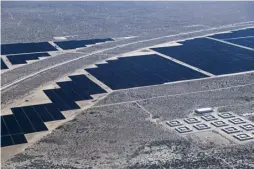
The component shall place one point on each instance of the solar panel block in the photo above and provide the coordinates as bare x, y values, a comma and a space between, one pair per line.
43, 113
4, 130
3, 65
83, 82
80, 43
16, 48
11, 124
66, 99
73, 89
235, 34
34, 118
6, 141
67, 87
144, 70
13, 140
22, 58
58, 102
11, 133
53, 111
30, 119
248, 42
24, 122
212, 56
19, 139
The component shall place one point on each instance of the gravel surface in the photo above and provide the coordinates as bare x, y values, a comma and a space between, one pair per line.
132, 135
127, 128
41, 21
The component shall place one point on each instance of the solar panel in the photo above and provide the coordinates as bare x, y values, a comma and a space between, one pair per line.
144, 70
16, 48
3, 65
235, 34
22, 58
79, 43
211, 56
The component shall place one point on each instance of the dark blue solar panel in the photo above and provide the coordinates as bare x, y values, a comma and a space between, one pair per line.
68, 89
34, 118
11, 133
6, 141
80, 90
22, 58
43, 113
124, 71
19, 139
66, 99
11, 124
248, 42
106, 77
212, 56
235, 34
54, 111
86, 84
26, 48
80, 43
58, 102
13, 140
4, 130
25, 124
3, 65
143, 70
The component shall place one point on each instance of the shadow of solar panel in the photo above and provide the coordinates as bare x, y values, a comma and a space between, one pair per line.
249, 42
26, 48
212, 56
3, 65
22, 58
144, 70
235, 34
80, 43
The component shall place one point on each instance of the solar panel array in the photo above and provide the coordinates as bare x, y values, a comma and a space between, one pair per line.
26, 48
80, 43
22, 58
144, 70
20, 53
242, 37
213, 56
125, 72
30, 119
3, 65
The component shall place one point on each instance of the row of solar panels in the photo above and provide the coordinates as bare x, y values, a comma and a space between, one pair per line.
242, 37
127, 72
30, 119
7, 49
15, 56
211, 56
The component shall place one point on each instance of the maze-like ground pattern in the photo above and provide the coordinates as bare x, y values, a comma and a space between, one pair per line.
227, 123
